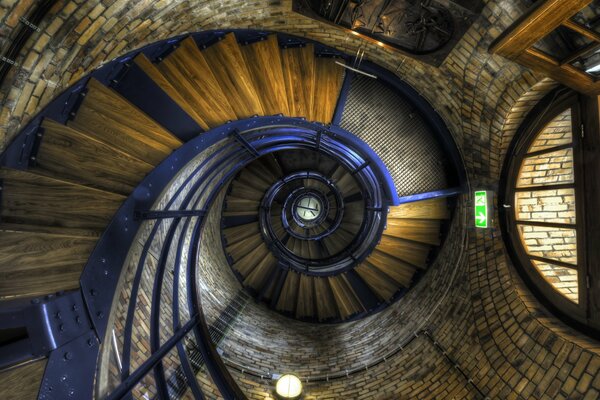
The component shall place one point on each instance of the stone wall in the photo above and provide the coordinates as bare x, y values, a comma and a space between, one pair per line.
489, 323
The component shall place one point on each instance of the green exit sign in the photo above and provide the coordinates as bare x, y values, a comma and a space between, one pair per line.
481, 209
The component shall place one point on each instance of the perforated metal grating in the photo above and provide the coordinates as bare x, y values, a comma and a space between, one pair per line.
398, 134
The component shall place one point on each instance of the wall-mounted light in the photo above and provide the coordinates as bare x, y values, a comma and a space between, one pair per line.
288, 386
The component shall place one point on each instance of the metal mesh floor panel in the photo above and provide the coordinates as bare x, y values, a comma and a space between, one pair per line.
397, 133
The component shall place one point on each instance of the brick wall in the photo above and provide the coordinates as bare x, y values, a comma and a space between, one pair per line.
489, 323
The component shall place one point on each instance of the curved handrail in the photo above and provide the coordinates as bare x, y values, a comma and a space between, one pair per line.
200, 191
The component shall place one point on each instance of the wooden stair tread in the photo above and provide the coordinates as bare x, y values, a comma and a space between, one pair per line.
328, 80
425, 209
109, 118
419, 230
399, 271
229, 68
412, 252
246, 264
289, 292
242, 191
157, 77
23, 382
378, 282
263, 60
299, 74
25, 257
243, 247
345, 298
33, 199
68, 154
306, 306
241, 232
153, 73
326, 306
235, 204
188, 72
260, 274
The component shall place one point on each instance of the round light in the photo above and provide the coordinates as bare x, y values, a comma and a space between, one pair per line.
309, 207
288, 386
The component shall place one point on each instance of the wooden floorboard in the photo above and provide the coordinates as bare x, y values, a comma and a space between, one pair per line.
299, 74
188, 72
68, 154
328, 83
263, 60
32, 199
229, 68
23, 383
153, 73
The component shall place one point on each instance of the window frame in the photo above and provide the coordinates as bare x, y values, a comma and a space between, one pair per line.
578, 314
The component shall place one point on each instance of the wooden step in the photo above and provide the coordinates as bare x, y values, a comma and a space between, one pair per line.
306, 306
289, 293
262, 273
346, 300
246, 263
271, 164
238, 189
243, 247
32, 199
253, 181
326, 306
237, 204
23, 382
419, 230
68, 154
425, 209
299, 74
399, 271
263, 60
328, 83
229, 68
188, 72
109, 118
261, 169
34, 263
241, 232
347, 185
411, 252
153, 73
378, 282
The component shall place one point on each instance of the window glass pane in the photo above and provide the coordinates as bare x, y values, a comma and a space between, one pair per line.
558, 132
547, 169
564, 280
557, 206
552, 243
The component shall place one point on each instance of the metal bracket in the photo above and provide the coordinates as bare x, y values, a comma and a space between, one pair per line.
360, 168
38, 134
163, 214
50, 323
119, 71
74, 102
245, 144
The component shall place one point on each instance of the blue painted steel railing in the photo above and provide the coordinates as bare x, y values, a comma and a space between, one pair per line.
196, 191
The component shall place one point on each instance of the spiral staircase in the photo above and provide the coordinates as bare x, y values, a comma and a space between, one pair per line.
309, 225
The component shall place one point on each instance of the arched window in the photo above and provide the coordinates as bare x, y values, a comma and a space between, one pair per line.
543, 196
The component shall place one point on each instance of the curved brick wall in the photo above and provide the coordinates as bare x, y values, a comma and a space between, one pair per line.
489, 324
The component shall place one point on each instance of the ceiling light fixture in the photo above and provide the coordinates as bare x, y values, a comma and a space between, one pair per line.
288, 386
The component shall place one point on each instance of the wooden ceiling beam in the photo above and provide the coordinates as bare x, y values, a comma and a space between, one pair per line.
566, 74
540, 21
